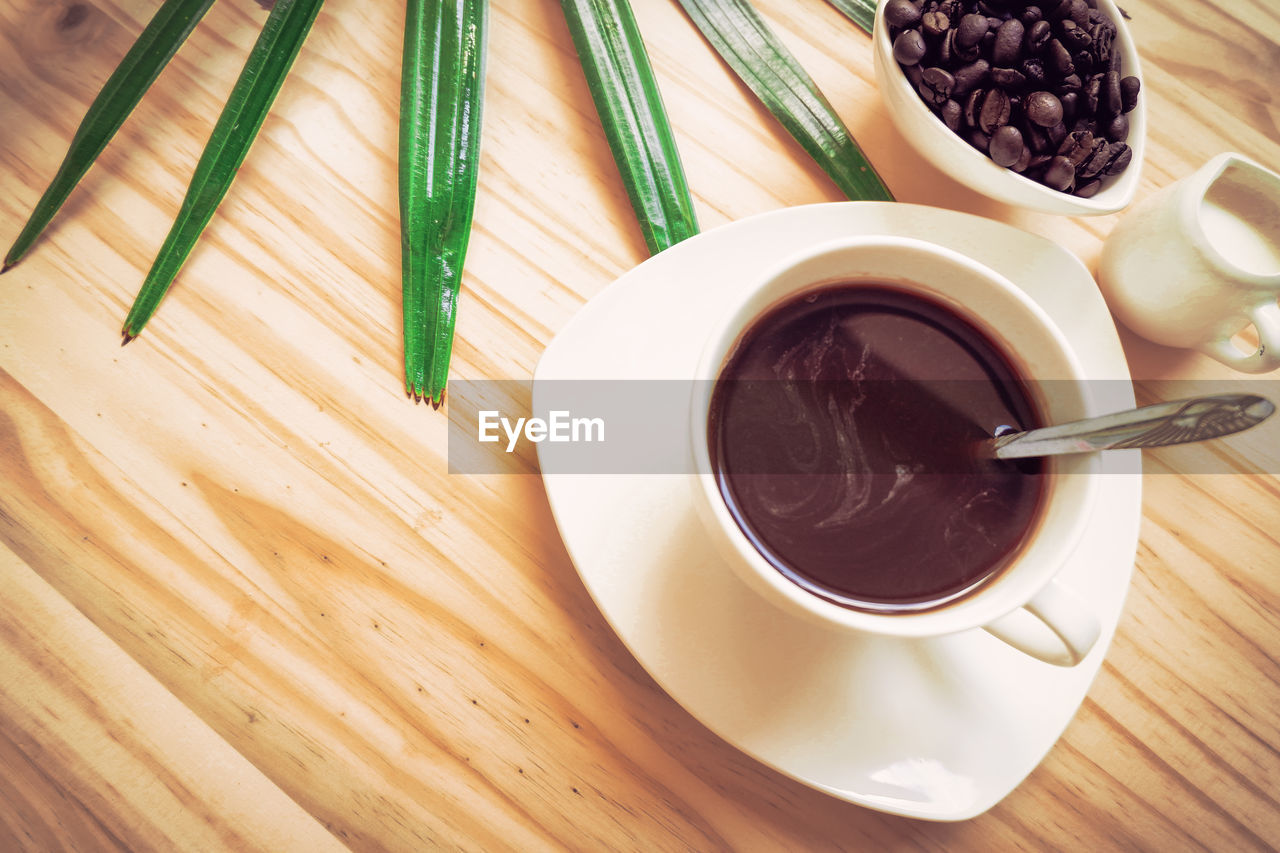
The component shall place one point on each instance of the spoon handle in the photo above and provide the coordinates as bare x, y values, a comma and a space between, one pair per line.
1180, 421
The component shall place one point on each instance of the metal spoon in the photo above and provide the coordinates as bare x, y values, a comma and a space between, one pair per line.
1195, 419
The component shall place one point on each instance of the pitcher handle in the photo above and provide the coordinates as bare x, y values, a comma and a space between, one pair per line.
1266, 319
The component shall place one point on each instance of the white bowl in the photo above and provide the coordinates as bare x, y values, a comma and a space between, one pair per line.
952, 155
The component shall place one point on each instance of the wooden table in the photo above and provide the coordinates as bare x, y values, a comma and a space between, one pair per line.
245, 606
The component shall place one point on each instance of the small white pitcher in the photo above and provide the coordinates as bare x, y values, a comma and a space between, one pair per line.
1198, 261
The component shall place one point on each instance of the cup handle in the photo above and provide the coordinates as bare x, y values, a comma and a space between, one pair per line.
1062, 631
1266, 319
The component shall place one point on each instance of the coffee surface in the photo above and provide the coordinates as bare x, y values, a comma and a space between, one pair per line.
842, 433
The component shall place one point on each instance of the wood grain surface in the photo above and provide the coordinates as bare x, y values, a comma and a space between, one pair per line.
245, 606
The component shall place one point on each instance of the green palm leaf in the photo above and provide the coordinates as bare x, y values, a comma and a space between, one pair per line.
441, 96
745, 42
861, 12
255, 90
156, 45
626, 96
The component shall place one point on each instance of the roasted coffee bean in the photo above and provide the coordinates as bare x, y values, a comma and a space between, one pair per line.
1112, 102
1023, 161
1070, 100
1060, 174
967, 54
1056, 134
1084, 125
995, 111
935, 23
947, 50
1129, 87
1097, 160
936, 85
1043, 108
1037, 138
952, 115
1092, 92
1076, 147
980, 140
1006, 145
1058, 58
1073, 38
1089, 189
1008, 47
909, 47
1008, 78
1070, 83
1033, 70
1118, 129
968, 76
973, 106
901, 13
1120, 157
1059, 10
1103, 36
1038, 35
1079, 13
971, 30
914, 74
1030, 15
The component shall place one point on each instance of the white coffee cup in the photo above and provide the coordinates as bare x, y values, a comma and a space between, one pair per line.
1198, 261
1022, 604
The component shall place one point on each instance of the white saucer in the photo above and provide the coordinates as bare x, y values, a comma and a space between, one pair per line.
940, 729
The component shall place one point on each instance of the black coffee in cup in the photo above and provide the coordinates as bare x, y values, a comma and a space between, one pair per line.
843, 432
